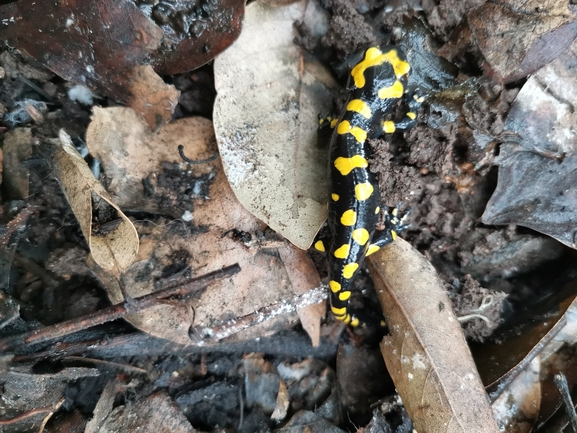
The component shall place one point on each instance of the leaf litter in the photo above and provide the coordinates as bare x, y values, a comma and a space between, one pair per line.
149, 242
205, 241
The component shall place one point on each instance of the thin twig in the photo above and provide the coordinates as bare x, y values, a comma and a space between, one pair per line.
49, 414
114, 312
28, 414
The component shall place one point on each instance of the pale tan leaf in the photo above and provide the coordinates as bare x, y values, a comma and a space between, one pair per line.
426, 352
270, 92
113, 250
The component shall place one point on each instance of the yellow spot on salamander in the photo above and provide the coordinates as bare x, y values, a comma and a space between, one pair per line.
395, 212
320, 246
344, 296
372, 249
335, 197
361, 107
349, 269
394, 235
342, 252
339, 311
377, 210
346, 165
375, 57
411, 115
355, 322
394, 91
334, 123
349, 218
359, 133
361, 236
347, 319
418, 98
389, 126
363, 190
335, 286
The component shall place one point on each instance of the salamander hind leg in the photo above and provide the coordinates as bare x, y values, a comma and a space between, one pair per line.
395, 223
343, 312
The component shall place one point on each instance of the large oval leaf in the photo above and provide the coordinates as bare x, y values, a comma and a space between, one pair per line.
269, 95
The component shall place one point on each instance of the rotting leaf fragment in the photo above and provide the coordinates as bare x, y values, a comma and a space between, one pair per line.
100, 44
538, 162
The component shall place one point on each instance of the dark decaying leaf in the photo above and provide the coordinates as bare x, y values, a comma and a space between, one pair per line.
195, 32
521, 36
95, 43
538, 166
107, 45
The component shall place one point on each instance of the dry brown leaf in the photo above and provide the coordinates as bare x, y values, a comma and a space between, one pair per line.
270, 93
131, 153
113, 248
426, 352
521, 36
218, 231
149, 95
304, 275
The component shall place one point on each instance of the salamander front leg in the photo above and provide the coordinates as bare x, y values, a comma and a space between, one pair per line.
413, 103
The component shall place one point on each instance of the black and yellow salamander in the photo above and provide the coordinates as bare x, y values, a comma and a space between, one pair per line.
377, 84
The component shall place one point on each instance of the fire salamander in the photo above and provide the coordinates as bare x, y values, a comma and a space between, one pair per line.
379, 82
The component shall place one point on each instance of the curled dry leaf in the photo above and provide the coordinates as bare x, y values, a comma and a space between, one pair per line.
426, 352
521, 36
97, 43
270, 93
110, 235
146, 173
538, 167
